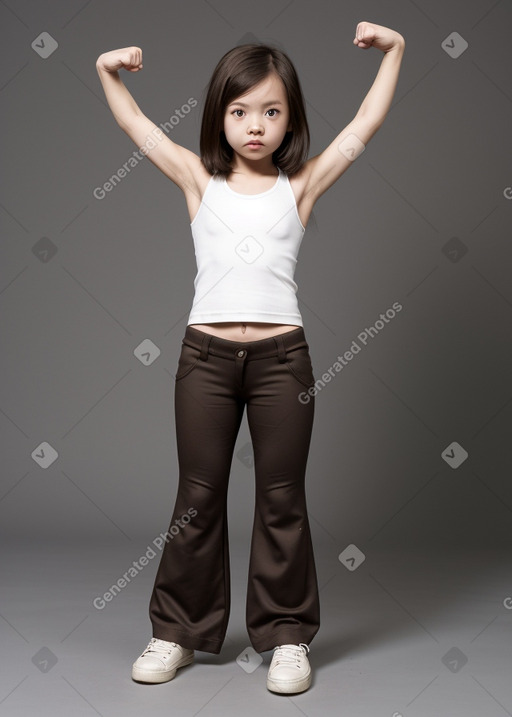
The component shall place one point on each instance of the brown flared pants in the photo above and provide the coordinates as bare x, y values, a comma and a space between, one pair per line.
216, 378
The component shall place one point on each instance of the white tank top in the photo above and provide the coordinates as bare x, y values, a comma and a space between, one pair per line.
246, 248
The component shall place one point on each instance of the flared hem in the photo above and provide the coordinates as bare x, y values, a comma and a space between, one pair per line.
185, 639
283, 636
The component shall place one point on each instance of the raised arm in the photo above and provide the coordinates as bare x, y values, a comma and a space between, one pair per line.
322, 171
175, 161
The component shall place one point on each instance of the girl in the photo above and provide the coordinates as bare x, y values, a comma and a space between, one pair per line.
249, 198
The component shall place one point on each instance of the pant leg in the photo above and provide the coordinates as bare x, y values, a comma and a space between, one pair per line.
282, 593
190, 603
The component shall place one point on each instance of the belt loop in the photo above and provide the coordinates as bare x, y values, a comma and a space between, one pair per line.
204, 346
281, 351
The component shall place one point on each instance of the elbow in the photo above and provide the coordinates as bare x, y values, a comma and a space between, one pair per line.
368, 124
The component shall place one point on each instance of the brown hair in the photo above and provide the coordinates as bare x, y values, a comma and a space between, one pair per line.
237, 72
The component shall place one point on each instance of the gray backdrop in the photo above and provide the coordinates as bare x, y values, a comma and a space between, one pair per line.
411, 448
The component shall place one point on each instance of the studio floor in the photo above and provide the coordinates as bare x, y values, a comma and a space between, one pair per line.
407, 634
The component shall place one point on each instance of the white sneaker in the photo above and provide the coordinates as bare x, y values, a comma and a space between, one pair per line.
160, 660
289, 670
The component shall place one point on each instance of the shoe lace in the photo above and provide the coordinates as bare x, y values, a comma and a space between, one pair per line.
160, 647
288, 655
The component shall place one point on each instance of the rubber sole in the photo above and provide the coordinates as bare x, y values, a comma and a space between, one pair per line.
287, 687
141, 675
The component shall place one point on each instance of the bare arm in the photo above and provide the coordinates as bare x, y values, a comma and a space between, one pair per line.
377, 102
123, 106
175, 161
326, 168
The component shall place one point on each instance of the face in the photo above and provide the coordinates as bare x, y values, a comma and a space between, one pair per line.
261, 115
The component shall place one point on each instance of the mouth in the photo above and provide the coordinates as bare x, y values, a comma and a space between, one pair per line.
254, 143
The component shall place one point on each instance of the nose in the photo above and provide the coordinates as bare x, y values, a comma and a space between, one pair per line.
255, 127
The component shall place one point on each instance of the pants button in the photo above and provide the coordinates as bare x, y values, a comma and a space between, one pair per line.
241, 353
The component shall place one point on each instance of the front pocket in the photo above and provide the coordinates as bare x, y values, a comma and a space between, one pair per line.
189, 357
299, 365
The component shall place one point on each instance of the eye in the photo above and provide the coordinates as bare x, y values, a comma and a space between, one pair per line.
272, 109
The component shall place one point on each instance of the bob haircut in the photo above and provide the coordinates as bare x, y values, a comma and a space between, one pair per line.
237, 72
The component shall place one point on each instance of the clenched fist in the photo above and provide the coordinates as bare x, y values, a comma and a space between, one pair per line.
128, 58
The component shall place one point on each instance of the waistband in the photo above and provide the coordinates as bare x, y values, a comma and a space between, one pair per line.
263, 348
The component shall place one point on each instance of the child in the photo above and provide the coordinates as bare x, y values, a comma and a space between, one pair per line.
249, 198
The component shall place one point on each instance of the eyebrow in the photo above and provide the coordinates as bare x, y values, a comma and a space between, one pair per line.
264, 104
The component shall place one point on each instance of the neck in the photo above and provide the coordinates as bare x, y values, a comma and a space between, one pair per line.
254, 168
